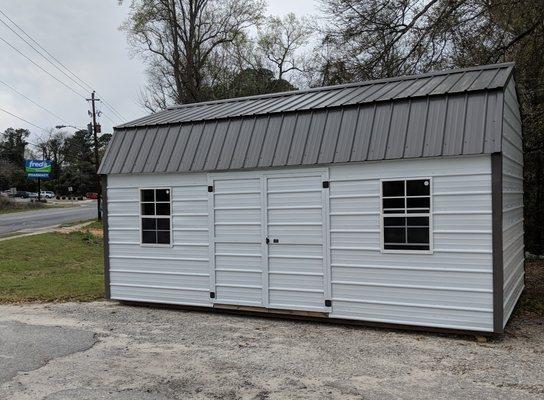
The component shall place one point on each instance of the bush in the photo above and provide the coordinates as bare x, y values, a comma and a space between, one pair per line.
7, 204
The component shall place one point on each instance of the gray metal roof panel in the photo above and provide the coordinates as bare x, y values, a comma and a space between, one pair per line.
464, 83
179, 148
242, 144
330, 136
346, 134
397, 130
315, 137
448, 113
271, 138
363, 133
203, 146
156, 150
143, 152
227, 149
474, 134
298, 145
285, 139
416, 127
436, 123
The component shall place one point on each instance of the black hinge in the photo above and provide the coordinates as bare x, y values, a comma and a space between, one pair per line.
212, 295
210, 189
328, 303
326, 184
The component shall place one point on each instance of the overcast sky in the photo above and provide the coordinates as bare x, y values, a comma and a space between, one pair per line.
84, 35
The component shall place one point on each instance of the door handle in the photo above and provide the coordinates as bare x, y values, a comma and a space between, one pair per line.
267, 240
276, 240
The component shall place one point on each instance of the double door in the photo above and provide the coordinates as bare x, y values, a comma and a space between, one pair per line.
268, 235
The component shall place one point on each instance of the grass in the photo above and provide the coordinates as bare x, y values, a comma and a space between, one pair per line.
52, 267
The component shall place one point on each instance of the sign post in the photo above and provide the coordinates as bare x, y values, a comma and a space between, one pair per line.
38, 169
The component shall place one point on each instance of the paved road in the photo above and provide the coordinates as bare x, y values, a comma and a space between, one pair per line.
29, 221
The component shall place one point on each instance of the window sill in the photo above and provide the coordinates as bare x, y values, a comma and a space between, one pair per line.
156, 245
419, 252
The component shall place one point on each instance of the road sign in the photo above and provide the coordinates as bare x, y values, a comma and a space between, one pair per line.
39, 169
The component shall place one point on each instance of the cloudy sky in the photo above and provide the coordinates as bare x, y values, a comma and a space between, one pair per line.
84, 35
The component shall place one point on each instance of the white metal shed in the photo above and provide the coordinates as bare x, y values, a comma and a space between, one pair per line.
397, 201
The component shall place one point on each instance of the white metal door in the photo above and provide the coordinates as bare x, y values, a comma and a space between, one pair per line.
296, 231
236, 240
268, 240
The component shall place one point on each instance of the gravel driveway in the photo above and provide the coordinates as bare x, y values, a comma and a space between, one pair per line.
104, 350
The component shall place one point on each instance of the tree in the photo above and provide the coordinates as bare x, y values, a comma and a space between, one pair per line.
79, 171
52, 148
12, 158
13, 144
280, 44
250, 82
181, 40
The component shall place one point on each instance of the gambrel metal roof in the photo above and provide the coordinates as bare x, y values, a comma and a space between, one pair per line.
453, 112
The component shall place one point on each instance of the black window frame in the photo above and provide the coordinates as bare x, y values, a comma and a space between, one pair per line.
406, 220
155, 218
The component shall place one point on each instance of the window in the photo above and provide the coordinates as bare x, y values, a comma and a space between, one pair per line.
155, 216
406, 211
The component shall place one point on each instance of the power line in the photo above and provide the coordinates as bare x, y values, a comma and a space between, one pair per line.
40, 67
41, 54
85, 86
22, 119
35, 103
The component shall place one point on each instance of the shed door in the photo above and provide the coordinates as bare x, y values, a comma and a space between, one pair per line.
295, 225
268, 235
236, 241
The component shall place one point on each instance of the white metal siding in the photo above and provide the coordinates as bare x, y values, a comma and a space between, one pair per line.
512, 182
452, 287
178, 274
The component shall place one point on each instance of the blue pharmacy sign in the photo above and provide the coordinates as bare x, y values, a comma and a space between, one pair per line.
38, 169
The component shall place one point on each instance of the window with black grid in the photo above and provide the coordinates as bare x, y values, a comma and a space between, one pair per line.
155, 214
406, 212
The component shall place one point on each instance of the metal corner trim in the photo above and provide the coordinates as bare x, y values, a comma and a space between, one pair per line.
497, 242
107, 293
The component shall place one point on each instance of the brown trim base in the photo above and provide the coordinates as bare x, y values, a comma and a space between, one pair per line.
259, 312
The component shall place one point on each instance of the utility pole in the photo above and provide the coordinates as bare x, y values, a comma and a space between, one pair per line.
93, 99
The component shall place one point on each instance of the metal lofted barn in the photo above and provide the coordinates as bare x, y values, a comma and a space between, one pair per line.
396, 201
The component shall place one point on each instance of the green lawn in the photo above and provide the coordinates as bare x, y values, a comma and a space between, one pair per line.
52, 266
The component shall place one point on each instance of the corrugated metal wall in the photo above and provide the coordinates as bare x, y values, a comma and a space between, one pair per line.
173, 275
512, 163
450, 288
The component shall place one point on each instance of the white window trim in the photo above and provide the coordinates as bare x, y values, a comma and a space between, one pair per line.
430, 215
164, 245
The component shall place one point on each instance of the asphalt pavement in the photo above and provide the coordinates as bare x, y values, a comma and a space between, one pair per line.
25, 347
30, 221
